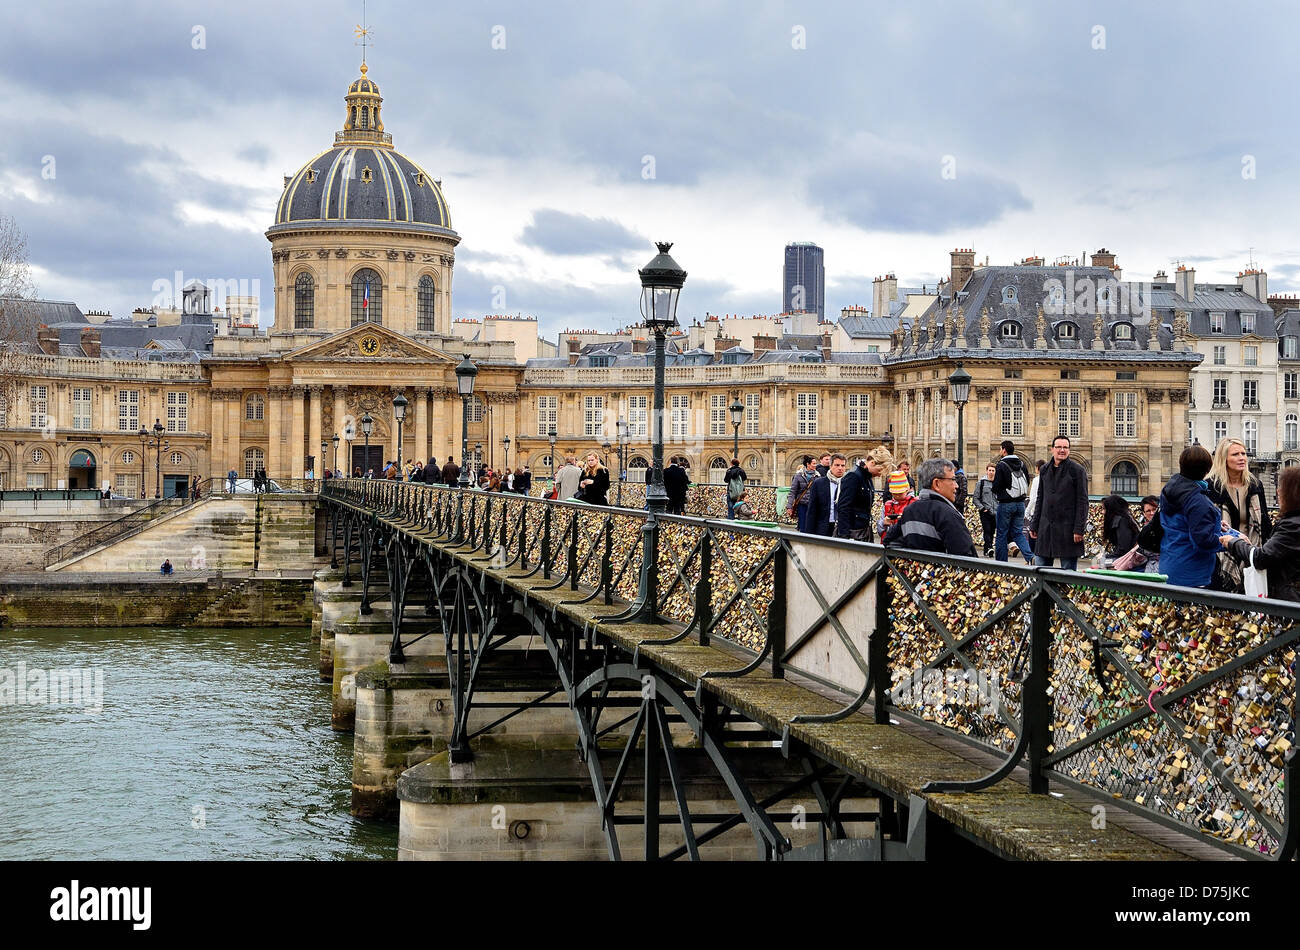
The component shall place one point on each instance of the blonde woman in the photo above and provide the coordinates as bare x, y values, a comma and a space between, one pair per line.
593, 484
1239, 496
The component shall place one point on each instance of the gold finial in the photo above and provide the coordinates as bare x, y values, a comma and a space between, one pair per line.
364, 68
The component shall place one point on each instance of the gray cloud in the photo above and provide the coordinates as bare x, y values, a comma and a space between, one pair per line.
558, 232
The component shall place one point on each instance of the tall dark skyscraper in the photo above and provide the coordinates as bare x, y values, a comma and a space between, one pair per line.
805, 279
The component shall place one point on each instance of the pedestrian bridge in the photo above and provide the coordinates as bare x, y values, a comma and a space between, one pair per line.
1030, 713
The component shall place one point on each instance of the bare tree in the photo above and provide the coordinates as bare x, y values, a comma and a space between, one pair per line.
18, 313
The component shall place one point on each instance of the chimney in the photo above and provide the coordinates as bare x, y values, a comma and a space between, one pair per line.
1103, 258
721, 343
764, 342
963, 265
47, 340
641, 345
90, 343
1185, 282
1031, 262
826, 347
1254, 282
884, 291
1283, 302
1161, 277
575, 350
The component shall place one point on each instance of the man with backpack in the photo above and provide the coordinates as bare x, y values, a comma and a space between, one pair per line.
1011, 489
735, 479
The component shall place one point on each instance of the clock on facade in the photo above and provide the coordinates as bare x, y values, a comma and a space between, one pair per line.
369, 345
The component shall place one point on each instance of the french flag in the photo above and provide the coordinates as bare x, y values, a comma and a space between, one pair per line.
365, 300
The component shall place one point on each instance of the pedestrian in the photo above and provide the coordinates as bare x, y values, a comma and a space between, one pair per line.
676, 483
1032, 501
824, 498
1119, 529
796, 504
451, 472
594, 484
524, 481
196, 487
231, 476
1010, 488
987, 506
356, 471
567, 478
906, 468
932, 522
1061, 515
432, 474
735, 482
1191, 523
900, 497
858, 494
1239, 496
963, 491
166, 569
370, 473
1280, 554
824, 464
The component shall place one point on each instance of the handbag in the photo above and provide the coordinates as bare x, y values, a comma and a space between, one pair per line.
1152, 534
1254, 580
1130, 561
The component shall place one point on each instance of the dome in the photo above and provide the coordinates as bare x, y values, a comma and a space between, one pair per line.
363, 183
363, 179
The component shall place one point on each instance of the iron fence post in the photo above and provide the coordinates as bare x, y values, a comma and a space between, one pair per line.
776, 616
1036, 702
546, 544
878, 643
704, 589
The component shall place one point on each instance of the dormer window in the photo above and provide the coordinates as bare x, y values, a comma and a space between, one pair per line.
419, 179
1009, 294
1067, 331
1247, 322
311, 175
1216, 321
1123, 331
366, 175
601, 360
1009, 330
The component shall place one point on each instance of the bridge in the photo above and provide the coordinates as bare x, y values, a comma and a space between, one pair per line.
709, 674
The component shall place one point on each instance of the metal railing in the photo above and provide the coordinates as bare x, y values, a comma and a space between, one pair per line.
1179, 703
119, 528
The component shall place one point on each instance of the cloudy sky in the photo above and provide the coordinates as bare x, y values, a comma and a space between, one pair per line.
142, 139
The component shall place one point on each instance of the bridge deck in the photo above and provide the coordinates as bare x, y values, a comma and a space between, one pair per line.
897, 759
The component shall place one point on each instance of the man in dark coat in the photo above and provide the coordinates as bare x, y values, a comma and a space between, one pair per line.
824, 499
858, 495
932, 522
676, 481
451, 471
1061, 512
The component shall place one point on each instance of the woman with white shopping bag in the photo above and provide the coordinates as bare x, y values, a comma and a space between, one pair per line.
1273, 568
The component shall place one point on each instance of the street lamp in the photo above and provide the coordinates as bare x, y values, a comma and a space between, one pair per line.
959, 393
505, 440
324, 456
737, 417
367, 426
478, 459
157, 470
551, 438
399, 413
335, 440
661, 284
622, 447
144, 452
465, 373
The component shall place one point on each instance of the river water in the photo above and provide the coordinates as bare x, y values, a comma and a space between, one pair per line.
211, 744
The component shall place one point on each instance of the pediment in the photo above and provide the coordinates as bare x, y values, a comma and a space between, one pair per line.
367, 343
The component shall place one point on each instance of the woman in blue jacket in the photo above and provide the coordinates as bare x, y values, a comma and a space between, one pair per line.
1191, 522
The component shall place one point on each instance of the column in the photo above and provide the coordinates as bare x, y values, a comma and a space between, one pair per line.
314, 394
274, 464
986, 425
293, 462
234, 446
340, 416
220, 463
420, 445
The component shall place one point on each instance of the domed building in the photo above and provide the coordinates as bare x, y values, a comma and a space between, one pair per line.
362, 234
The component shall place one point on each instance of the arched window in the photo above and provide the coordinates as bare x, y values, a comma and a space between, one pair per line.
253, 460
1066, 331
176, 458
128, 457
1010, 330
304, 302
367, 297
717, 471
365, 117
1123, 331
1291, 432
425, 304
1009, 294
1124, 479
1250, 435
255, 407
637, 467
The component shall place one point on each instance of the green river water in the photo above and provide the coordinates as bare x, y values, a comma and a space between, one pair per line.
212, 744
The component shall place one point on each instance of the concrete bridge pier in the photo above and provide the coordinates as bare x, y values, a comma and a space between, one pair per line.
360, 640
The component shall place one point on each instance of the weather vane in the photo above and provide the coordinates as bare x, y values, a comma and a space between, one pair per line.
363, 33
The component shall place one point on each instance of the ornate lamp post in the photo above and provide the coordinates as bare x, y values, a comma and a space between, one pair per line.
737, 417
144, 451
367, 426
158, 447
661, 284
622, 448
324, 457
335, 440
505, 441
551, 438
399, 413
959, 393
465, 373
